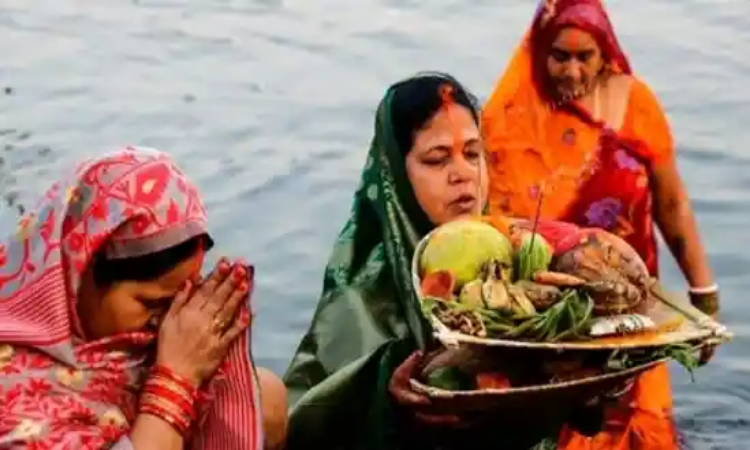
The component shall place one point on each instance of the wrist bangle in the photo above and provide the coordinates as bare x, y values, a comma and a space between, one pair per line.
165, 372
704, 290
165, 411
169, 397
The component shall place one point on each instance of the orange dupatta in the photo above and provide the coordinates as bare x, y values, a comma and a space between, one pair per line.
590, 175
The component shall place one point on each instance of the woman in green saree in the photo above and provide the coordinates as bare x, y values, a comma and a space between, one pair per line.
348, 381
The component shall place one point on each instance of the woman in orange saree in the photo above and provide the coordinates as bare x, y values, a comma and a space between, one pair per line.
569, 125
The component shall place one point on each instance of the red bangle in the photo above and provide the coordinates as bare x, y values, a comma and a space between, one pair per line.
166, 372
186, 406
156, 408
170, 397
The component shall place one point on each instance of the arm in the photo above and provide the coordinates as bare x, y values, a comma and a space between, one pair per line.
671, 208
274, 409
153, 433
167, 409
676, 221
190, 349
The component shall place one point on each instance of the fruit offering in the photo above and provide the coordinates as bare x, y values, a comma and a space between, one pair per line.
556, 282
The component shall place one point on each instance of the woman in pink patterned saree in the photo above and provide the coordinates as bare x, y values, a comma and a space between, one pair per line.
108, 337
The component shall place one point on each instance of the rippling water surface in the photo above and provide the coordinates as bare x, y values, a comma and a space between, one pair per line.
269, 105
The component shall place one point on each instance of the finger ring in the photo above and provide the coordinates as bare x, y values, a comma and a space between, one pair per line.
220, 325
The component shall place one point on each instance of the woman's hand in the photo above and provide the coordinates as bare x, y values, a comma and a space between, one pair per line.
202, 323
419, 404
707, 303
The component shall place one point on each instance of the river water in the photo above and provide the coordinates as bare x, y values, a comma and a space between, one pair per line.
268, 105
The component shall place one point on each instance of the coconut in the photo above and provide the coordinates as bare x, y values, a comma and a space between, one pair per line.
464, 248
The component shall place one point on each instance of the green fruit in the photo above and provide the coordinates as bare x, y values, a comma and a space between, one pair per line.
449, 379
534, 254
463, 247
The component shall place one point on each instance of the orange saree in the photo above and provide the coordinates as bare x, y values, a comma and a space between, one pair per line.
590, 175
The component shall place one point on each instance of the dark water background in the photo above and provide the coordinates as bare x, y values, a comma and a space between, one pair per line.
268, 105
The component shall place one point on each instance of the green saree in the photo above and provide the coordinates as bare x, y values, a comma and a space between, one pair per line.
368, 320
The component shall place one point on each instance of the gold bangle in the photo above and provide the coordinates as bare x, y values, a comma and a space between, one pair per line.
159, 382
147, 398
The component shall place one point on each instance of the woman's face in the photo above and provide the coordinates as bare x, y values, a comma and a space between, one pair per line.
126, 306
446, 166
573, 63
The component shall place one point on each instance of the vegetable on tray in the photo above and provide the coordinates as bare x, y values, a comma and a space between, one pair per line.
555, 284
